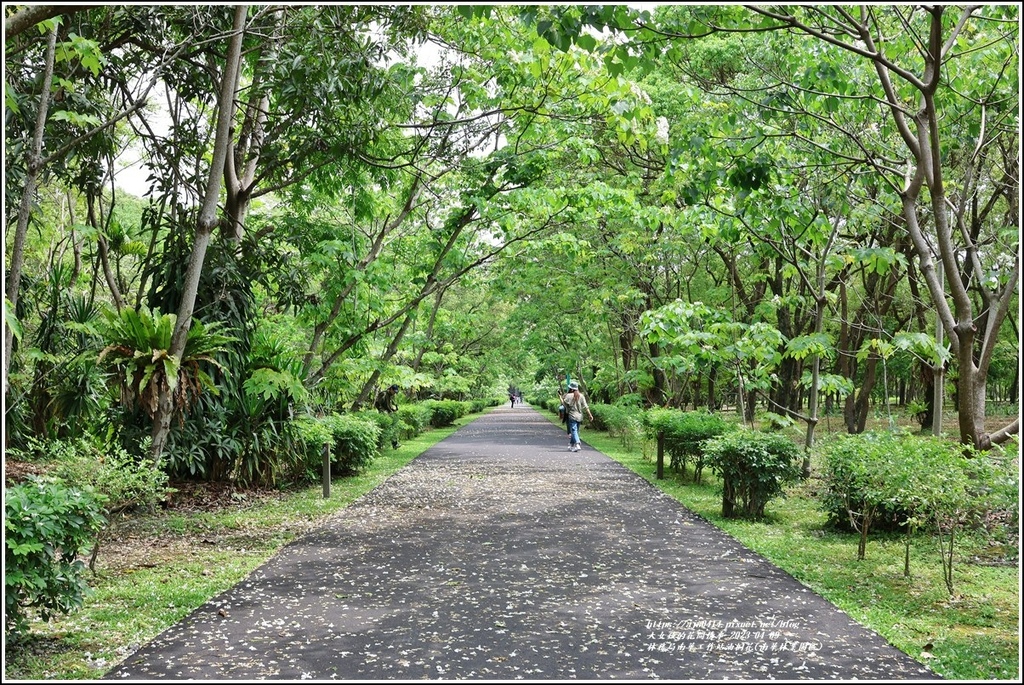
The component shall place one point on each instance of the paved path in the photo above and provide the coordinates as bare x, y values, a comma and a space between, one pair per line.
498, 555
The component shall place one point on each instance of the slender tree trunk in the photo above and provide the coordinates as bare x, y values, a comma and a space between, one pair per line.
204, 229
919, 128
958, 321
712, 387
242, 160
104, 253
364, 393
33, 169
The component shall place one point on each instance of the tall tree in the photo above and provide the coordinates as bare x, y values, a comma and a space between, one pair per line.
207, 222
939, 83
927, 62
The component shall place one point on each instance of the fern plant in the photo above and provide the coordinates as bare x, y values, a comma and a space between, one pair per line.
138, 348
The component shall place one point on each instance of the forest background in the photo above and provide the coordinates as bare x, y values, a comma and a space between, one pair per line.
784, 214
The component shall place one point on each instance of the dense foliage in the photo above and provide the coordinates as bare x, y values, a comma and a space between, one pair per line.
228, 228
685, 435
47, 525
754, 468
894, 480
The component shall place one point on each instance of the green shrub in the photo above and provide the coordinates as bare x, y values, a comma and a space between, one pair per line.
388, 426
313, 432
446, 412
124, 481
685, 435
353, 441
413, 419
604, 416
622, 422
477, 406
545, 400
754, 468
863, 475
354, 444
895, 479
47, 525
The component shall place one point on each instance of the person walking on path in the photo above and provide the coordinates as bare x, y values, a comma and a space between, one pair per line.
564, 418
575, 404
387, 404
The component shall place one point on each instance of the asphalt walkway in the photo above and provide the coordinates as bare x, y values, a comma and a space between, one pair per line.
499, 555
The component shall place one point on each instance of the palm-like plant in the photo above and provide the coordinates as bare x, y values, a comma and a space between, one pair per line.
138, 346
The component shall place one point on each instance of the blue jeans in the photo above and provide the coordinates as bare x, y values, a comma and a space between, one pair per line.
574, 432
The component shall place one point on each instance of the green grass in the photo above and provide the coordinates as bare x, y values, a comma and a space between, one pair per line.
974, 634
206, 553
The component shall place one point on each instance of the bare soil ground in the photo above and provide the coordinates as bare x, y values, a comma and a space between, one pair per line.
136, 540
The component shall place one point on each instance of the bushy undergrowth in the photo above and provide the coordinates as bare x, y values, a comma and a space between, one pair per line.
47, 525
894, 480
388, 426
685, 434
446, 412
122, 479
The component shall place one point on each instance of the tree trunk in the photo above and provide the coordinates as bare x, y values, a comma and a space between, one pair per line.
430, 328
958, 321
961, 260
242, 160
371, 382
33, 169
712, 398
204, 229
27, 17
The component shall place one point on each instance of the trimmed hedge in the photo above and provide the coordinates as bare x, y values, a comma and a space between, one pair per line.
446, 412
685, 435
754, 468
388, 426
413, 419
622, 422
353, 441
864, 476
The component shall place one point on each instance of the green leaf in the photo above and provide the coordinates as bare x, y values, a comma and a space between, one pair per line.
801, 347
587, 42
11, 320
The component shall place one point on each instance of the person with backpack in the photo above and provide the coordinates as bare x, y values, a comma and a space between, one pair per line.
564, 418
575, 403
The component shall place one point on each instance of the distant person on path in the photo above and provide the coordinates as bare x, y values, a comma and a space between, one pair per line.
512, 400
387, 403
575, 404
